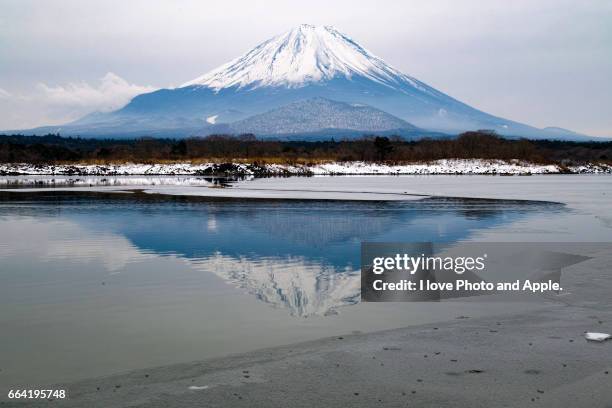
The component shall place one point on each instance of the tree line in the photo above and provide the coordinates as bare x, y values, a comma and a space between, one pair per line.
469, 145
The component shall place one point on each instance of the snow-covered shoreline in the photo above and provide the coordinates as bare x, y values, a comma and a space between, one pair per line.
445, 166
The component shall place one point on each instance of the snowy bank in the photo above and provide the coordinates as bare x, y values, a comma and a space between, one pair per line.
445, 166
94, 181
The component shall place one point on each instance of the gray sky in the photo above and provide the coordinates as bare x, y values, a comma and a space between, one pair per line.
540, 62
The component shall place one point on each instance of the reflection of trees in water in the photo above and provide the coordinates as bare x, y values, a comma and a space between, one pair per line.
319, 229
483, 209
319, 225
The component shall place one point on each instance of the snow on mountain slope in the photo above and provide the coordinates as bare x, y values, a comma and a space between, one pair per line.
300, 56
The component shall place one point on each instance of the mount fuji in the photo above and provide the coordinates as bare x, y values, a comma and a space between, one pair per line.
309, 82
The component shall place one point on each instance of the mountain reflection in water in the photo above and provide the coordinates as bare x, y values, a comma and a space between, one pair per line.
302, 256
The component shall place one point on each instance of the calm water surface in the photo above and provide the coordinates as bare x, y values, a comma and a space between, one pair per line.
94, 284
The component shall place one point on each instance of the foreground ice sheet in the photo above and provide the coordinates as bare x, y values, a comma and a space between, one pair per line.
578, 191
591, 191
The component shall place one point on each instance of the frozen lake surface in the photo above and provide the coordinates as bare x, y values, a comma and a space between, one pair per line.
94, 283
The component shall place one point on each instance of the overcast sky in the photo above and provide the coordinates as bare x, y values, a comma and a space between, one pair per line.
544, 63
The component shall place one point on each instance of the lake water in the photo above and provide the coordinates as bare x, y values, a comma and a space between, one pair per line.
93, 284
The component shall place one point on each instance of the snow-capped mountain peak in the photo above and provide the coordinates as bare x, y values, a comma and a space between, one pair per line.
274, 89
303, 55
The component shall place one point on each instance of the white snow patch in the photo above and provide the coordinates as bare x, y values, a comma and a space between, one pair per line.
445, 166
198, 387
594, 336
95, 181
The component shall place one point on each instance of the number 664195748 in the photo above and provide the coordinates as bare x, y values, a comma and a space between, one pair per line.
36, 394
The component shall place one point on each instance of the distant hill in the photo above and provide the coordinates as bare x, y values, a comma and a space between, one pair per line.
323, 116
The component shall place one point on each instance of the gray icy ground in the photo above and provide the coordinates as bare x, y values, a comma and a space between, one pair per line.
538, 359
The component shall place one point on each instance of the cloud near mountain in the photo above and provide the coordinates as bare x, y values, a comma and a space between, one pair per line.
112, 92
67, 102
